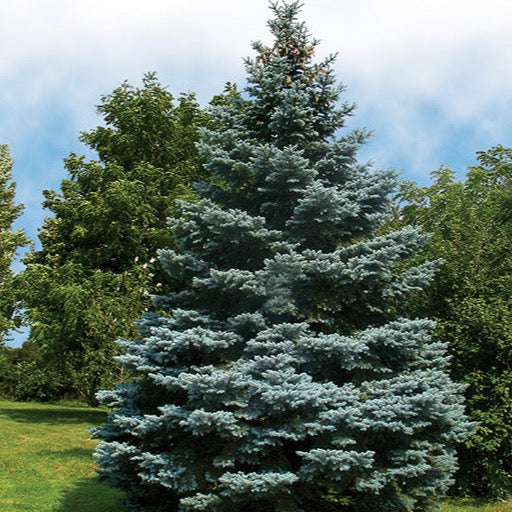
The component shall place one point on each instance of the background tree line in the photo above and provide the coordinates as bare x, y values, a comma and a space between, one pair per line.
93, 275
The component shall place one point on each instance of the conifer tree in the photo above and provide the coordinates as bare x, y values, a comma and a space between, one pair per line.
280, 379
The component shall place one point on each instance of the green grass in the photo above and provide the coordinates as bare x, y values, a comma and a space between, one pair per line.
46, 463
470, 505
476, 506
45, 460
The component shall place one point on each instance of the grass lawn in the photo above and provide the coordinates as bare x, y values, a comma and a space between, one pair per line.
45, 460
476, 506
46, 463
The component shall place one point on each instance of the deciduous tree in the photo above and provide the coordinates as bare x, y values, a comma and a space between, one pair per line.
471, 230
10, 241
92, 278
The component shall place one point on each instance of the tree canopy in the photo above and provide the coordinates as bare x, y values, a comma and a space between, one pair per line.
93, 275
470, 298
10, 241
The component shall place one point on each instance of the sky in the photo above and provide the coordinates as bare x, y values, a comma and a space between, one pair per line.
432, 78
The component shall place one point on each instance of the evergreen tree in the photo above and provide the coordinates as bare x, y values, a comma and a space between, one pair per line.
92, 278
280, 378
10, 241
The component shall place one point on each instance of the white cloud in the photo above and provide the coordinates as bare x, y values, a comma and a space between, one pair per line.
420, 70
415, 47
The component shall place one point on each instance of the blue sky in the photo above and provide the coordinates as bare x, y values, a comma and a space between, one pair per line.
432, 78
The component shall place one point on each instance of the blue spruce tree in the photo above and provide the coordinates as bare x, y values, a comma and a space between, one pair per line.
279, 377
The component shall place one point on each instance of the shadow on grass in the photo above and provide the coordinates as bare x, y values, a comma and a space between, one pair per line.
54, 415
89, 494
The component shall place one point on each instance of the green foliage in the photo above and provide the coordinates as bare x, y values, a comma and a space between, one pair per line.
113, 212
10, 241
471, 298
93, 308
25, 376
92, 278
278, 377
33, 382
